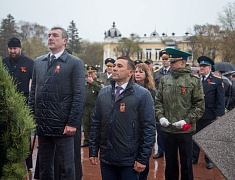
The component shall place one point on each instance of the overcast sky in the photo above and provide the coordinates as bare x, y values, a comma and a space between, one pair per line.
94, 17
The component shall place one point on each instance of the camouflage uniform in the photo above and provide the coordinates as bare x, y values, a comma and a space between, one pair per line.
92, 90
180, 97
105, 79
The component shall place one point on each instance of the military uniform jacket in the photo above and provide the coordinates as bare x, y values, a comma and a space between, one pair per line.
21, 72
92, 90
180, 97
104, 78
157, 76
214, 97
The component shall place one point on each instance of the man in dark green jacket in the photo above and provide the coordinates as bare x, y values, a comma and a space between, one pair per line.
93, 86
179, 104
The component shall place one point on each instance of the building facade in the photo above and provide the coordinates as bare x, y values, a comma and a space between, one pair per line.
150, 45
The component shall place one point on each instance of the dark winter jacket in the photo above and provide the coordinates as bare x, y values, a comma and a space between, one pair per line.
124, 130
214, 96
21, 72
57, 94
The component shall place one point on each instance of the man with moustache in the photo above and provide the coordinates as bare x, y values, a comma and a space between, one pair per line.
20, 67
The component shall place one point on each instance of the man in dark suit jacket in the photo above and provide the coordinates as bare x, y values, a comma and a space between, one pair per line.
20, 68
214, 96
159, 147
164, 70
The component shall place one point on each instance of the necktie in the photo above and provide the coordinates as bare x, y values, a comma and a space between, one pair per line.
165, 71
203, 78
117, 92
52, 58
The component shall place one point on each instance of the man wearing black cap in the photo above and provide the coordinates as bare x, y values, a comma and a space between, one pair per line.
179, 104
107, 76
93, 86
20, 68
214, 96
149, 63
137, 62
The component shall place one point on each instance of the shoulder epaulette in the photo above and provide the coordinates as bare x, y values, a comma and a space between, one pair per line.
216, 76
156, 70
99, 80
195, 75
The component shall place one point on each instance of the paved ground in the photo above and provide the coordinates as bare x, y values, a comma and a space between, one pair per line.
92, 172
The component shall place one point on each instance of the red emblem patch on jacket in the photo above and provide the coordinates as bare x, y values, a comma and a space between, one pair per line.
57, 69
23, 69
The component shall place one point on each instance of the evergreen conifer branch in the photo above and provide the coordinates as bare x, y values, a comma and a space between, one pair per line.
16, 125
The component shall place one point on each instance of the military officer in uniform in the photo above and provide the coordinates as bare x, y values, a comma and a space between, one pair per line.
179, 104
93, 86
137, 62
214, 96
164, 70
159, 147
107, 76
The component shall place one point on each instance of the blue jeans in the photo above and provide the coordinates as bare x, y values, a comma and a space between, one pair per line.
113, 172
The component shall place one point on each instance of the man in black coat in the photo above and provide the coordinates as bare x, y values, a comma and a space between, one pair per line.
214, 96
20, 67
57, 99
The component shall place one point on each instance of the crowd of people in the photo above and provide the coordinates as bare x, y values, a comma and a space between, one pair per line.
126, 112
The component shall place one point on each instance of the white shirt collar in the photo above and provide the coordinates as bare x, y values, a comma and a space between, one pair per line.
57, 55
123, 87
166, 68
109, 75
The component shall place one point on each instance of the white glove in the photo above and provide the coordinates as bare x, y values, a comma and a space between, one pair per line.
164, 122
179, 124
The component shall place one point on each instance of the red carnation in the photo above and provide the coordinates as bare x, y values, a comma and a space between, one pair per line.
186, 127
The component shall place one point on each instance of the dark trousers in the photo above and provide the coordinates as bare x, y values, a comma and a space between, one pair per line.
201, 124
160, 139
112, 172
87, 123
174, 143
77, 156
144, 174
64, 146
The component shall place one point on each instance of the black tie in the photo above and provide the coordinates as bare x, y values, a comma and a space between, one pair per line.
52, 58
203, 78
117, 92
165, 71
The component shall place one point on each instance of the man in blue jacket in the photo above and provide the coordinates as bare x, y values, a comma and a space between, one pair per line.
123, 125
57, 100
214, 96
